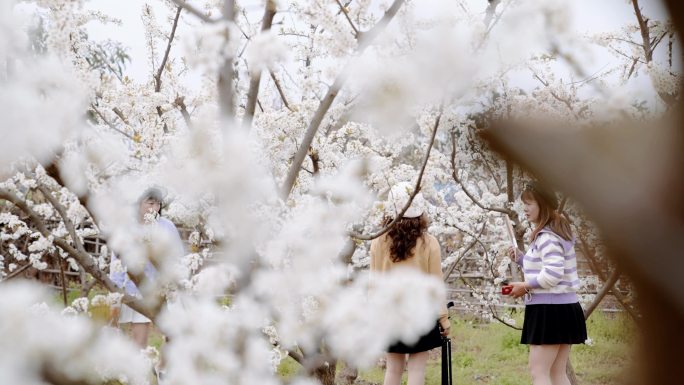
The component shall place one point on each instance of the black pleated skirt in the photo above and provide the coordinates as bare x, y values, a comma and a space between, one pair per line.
554, 324
428, 341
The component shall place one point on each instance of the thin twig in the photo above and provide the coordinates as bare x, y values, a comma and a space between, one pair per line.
180, 103
589, 254
196, 12
160, 71
65, 218
63, 277
280, 90
255, 81
364, 41
346, 15
416, 188
608, 285
476, 240
472, 197
108, 123
565, 101
16, 272
83, 259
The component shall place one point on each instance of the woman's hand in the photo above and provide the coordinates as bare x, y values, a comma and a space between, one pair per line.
514, 254
443, 331
519, 289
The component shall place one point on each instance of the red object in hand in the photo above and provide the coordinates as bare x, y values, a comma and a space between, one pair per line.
506, 290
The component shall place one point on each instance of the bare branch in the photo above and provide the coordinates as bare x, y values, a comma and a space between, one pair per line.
108, 123
280, 90
62, 276
83, 259
180, 103
194, 11
591, 258
472, 197
476, 239
416, 188
492, 311
565, 101
226, 88
490, 12
346, 15
645, 32
121, 116
607, 286
269, 13
364, 40
489, 24
315, 161
160, 71
656, 40
632, 68
17, 272
63, 214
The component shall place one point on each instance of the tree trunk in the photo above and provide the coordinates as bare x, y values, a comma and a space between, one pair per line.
348, 375
326, 373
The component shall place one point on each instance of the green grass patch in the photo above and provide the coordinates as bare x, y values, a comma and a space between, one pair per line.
492, 354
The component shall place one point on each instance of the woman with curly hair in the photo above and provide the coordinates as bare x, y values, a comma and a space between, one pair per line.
408, 244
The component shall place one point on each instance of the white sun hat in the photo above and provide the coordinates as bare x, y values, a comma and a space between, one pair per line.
398, 197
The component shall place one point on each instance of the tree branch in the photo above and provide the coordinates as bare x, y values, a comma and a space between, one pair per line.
476, 239
346, 15
160, 71
157, 77
83, 259
108, 123
454, 175
180, 103
364, 40
565, 101
607, 286
280, 90
416, 188
267, 21
226, 88
645, 32
589, 254
194, 11
490, 12
16, 272
65, 218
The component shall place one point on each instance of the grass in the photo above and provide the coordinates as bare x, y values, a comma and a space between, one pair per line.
492, 354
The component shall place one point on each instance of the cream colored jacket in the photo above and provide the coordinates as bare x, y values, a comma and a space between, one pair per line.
426, 257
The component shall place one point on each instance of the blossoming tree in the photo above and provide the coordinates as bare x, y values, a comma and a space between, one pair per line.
278, 127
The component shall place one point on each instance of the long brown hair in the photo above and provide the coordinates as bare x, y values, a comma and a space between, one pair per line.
548, 211
404, 236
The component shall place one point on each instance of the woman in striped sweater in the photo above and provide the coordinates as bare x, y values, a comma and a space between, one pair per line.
554, 319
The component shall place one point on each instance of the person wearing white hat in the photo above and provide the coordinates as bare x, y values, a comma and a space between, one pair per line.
408, 244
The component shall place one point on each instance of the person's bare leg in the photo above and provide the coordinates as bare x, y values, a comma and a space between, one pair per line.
416, 368
541, 359
139, 333
394, 368
559, 375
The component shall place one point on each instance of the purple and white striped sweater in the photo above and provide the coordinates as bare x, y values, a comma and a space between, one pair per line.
550, 267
